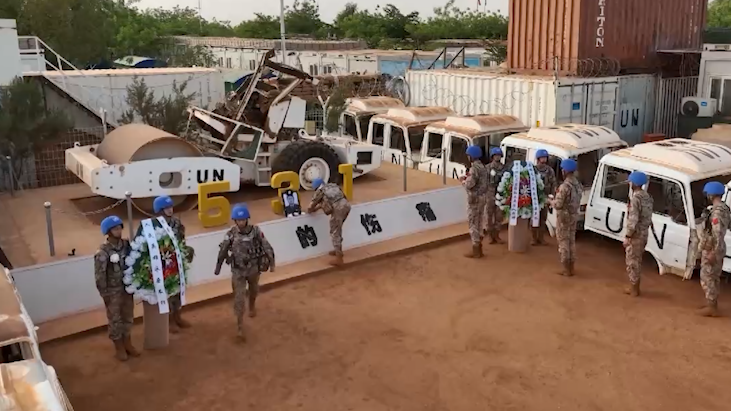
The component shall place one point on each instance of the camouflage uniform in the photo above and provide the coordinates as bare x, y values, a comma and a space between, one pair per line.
332, 200
108, 276
713, 246
179, 230
247, 247
493, 214
639, 220
567, 204
549, 187
476, 186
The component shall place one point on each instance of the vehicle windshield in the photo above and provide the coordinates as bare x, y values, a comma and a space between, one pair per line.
349, 128
696, 192
416, 139
364, 120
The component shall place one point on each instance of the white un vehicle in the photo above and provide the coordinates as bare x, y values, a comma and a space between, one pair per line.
586, 144
26, 382
677, 169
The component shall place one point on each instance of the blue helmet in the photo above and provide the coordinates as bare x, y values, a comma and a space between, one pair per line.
110, 222
162, 203
637, 178
568, 165
474, 151
240, 212
495, 151
316, 183
541, 153
714, 188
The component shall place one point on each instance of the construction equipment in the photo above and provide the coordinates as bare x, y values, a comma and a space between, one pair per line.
147, 162
248, 138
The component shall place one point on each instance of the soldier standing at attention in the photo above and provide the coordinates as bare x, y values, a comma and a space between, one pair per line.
567, 204
163, 206
493, 214
108, 272
639, 219
549, 187
250, 255
475, 182
713, 247
333, 202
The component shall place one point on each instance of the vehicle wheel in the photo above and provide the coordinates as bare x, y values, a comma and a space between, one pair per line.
310, 160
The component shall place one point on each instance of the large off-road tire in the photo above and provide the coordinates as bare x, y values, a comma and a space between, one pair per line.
310, 160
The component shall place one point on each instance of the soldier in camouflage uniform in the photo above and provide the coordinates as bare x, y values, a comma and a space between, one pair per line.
549, 188
331, 199
108, 272
493, 214
713, 246
567, 204
475, 182
163, 206
639, 220
248, 252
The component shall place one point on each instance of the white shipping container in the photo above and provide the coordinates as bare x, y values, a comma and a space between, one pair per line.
107, 89
625, 104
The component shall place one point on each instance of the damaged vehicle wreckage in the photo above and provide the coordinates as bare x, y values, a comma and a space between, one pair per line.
256, 133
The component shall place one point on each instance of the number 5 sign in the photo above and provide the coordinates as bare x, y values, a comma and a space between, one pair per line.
216, 210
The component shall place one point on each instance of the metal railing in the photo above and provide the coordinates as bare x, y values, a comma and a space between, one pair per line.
670, 92
32, 45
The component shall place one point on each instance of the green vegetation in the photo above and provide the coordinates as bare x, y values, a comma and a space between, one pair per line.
90, 31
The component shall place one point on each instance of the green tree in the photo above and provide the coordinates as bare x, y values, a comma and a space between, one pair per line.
25, 123
260, 27
719, 14
167, 113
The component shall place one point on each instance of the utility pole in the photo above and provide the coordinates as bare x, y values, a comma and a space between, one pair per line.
200, 15
281, 30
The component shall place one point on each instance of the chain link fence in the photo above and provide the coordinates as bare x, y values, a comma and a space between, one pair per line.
46, 166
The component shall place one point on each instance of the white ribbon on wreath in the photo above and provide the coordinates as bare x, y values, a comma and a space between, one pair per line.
534, 196
517, 168
148, 231
178, 255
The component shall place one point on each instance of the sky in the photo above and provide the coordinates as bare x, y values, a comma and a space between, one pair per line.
236, 11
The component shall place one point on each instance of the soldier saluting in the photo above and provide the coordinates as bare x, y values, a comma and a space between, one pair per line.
108, 272
713, 246
549, 187
248, 252
163, 207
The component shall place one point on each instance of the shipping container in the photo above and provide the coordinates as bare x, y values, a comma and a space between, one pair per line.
624, 103
107, 89
600, 37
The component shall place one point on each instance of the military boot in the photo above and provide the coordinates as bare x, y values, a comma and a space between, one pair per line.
496, 237
337, 261
710, 310
476, 251
633, 290
540, 236
480, 250
240, 329
173, 328
129, 348
571, 270
179, 321
252, 307
566, 269
119, 352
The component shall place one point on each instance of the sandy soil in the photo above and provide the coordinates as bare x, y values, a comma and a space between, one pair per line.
24, 238
431, 331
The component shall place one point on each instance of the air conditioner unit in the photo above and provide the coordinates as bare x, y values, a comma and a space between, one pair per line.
698, 107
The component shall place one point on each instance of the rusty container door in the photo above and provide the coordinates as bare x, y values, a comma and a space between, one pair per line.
543, 32
592, 38
628, 33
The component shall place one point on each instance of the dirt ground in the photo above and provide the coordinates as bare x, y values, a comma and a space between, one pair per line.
24, 239
431, 331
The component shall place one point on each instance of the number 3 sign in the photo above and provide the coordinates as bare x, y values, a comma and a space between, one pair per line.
215, 211
294, 184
